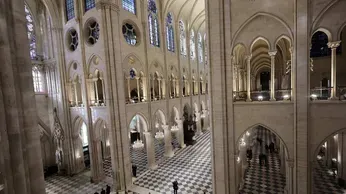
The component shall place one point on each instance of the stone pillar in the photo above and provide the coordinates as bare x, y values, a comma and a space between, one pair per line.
289, 176
282, 158
333, 46
138, 89
292, 74
128, 88
205, 118
180, 133
248, 78
198, 123
153, 86
150, 150
243, 163
342, 156
20, 137
168, 141
272, 74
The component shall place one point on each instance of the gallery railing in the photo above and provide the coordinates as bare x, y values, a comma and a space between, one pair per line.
283, 95
320, 93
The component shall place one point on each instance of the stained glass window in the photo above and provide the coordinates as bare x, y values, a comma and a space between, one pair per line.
31, 31
36, 75
132, 73
170, 32
130, 5
89, 4
69, 5
200, 48
182, 38
192, 45
153, 23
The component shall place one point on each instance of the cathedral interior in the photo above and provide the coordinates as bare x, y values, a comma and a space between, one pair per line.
172, 96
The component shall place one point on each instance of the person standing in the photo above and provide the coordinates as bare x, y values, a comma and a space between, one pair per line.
175, 187
108, 189
134, 170
103, 191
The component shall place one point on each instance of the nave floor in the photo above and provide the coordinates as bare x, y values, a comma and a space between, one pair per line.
324, 182
261, 179
191, 167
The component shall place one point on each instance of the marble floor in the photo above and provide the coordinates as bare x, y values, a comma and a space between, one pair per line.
324, 181
262, 179
191, 167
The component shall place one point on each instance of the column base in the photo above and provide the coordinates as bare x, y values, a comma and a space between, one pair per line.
182, 146
248, 100
169, 155
153, 167
198, 133
333, 98
272, 99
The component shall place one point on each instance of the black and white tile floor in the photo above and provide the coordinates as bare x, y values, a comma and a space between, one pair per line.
324, 182
191, 167
261, 179
78, 184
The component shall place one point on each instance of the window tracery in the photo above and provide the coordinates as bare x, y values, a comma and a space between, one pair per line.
192, 45
37, 80
182, 38
153, 23
170, 32
129, 33
69, 6
200, 48
129, 5
31, 31
89, 4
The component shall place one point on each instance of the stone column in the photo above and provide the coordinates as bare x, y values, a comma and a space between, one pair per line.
243, 162
153, 86
333, 46
168, 141
159, 80
128, 88
282, 158
342, 156
150, 150
272, 74
248, 78
289, 176
205, 122
138, 89
198, 123
180, 133
20, 137
292, 74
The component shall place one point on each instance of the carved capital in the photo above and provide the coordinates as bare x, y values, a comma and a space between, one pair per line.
272, 53
248, 58
334, 45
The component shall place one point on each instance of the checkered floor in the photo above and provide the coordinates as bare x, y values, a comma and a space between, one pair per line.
324, 182
191, 167
78, 184
261, 179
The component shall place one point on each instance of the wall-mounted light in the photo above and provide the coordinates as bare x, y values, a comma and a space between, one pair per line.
238, 159
77, 155
108, 143
247, 133
334, 159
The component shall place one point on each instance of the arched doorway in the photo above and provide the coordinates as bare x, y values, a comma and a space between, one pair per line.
81, 145
103, 144
261, 162
141, 142
177, 125
329, 172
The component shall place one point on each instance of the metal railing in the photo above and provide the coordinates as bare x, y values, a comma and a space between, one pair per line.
320, 93
341, 92
239, 96
283, 95
260, 95
135, 100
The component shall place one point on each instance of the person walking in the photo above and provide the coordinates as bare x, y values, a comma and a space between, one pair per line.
175, 187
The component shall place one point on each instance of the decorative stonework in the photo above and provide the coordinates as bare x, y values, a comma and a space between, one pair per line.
104, 4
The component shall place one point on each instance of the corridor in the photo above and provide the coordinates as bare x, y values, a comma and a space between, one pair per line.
262, 179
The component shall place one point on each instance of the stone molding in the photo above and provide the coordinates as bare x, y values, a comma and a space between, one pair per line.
334, 45
103, 4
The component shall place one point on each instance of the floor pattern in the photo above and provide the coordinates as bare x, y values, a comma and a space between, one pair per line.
191, 167
324, 182
262, 179
78, 184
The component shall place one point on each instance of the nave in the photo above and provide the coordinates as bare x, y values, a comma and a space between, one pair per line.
262, 179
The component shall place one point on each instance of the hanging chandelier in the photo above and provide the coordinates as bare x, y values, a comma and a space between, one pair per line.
138, 144
159, 136
174, 129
